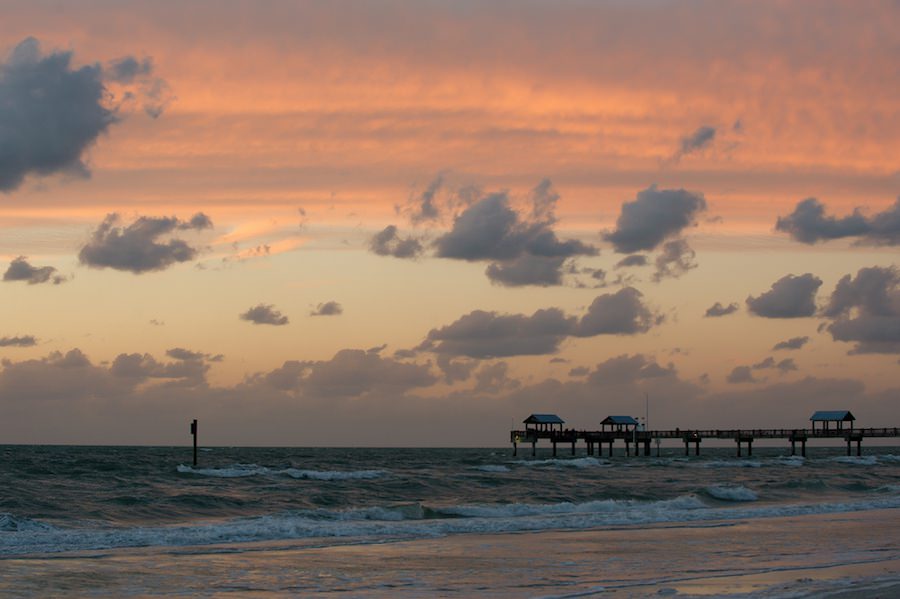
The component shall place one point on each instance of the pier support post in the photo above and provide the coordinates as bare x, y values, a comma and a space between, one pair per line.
627, 448
515, 449
573, 445
554, 448
687, 447
647, 448
610, 448
534, 448
194, 434
803, 448
697, 447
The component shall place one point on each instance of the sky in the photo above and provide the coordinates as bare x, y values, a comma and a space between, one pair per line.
415, 223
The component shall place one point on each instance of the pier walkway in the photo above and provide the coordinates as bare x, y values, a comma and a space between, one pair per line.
594, 440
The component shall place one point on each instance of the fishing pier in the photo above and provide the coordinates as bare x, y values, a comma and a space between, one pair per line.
625, 429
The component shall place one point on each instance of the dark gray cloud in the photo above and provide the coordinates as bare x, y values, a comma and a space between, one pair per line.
51, 112
327, 309
625, 369
524, 248
20, 270
579, 371
698, 140
527, 269
455, 369
652, 217
865, 310
22, 341
490, 229
741, 374
137, 248
189, 368
264, 314
791, 296
482, 334
388, 242
717, 309
792, 343
494, 378
632, 260
786, 365
424, 207
675, 259
128, 68
619, 313
350, 373
809, 224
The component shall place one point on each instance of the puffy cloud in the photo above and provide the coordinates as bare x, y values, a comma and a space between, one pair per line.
579, 371
350, 373
792, 343
620, 313
865, 310
632, 260
20, 270
128, 68
51, 112
264, 314
675, 259
741, 374
809, 224
493, 378
23, 341
57, 377
652, 217
625, 369
388, 242
327, 309
527, 270
137, 248
455, 370
141, 367
482, 334
698, 140
425, 208
790, 297
717, 309
524, 247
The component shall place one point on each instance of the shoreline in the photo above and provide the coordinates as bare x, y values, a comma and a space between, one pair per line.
836, 555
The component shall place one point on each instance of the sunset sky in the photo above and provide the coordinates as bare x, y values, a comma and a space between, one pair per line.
415, 223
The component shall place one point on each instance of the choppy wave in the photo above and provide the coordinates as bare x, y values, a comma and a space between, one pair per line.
586, 462
245, 470
866, 460
377, 524
735, 463
12, 523
492, 468
731, 493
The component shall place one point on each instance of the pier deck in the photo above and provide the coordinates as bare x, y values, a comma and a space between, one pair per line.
594, 440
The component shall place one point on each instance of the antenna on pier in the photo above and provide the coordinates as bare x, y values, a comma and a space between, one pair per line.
646, 410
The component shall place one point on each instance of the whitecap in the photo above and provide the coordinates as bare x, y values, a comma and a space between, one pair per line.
731, 493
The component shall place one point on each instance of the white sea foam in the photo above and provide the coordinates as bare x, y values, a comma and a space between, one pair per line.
731, 493
331, 474
375, 524
492, 468
888, 457
866, 460
586, 462
791, 460
736, 463
243, 470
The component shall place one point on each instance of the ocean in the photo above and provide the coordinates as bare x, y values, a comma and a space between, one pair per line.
136, 521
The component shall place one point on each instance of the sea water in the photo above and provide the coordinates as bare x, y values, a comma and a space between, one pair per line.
70, 502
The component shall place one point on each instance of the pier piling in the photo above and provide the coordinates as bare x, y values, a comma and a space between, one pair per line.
194, 434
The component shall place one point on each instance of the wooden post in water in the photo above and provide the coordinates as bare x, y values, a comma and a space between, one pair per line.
194, 433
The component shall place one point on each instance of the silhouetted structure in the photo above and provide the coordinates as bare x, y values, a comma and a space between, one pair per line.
626, 428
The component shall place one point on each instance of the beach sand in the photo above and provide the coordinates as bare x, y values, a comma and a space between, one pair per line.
854, 554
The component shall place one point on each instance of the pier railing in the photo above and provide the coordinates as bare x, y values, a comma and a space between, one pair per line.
595, 439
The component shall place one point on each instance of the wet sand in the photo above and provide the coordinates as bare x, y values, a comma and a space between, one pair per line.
844, 555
